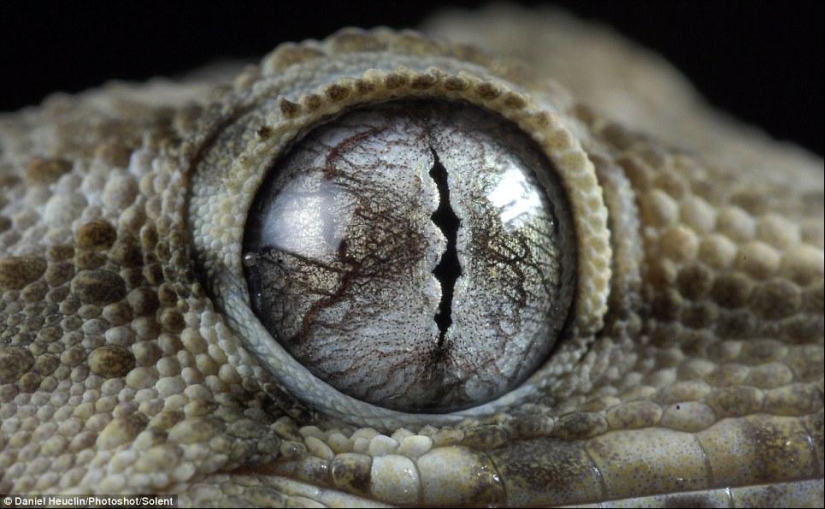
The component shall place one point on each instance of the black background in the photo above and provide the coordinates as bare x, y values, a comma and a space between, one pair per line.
762, 61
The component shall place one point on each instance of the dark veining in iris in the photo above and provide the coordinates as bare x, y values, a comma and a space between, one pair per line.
409, 255
448, 269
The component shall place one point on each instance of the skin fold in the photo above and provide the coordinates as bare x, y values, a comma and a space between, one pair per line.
691, 366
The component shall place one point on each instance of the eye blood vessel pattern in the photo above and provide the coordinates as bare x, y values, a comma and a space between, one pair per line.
130, 361
356, 252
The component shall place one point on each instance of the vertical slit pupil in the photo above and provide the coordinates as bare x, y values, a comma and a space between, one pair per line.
448, 269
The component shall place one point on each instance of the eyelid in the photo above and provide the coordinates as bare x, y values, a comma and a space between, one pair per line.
300, 86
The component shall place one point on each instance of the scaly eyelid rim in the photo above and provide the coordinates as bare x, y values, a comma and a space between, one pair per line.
225, 181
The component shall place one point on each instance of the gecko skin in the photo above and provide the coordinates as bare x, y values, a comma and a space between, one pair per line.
692, 371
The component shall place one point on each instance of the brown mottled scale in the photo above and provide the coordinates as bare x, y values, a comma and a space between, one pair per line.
692, 373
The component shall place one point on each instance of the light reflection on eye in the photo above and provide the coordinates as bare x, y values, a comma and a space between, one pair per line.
414, 255
516, 197
306, 219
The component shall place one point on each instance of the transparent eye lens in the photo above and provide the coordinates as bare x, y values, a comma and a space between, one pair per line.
418, 256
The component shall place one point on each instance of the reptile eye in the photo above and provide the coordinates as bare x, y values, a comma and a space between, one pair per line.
399, 240
416, 255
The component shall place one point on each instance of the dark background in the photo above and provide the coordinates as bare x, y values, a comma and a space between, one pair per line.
762, 61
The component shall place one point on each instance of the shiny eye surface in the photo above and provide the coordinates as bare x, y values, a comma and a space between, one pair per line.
415, 255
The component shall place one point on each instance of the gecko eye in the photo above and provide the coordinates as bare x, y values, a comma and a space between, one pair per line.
416, 255
399, 240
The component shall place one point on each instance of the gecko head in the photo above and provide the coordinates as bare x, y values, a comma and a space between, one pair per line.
221, 299
340, 218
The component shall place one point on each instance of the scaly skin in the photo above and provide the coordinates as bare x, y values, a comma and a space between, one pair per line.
692, 371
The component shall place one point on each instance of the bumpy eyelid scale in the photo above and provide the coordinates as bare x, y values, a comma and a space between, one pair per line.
297, 87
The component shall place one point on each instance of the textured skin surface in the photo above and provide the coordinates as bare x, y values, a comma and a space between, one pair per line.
693, 368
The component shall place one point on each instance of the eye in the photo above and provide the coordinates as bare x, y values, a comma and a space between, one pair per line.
400, 240
414, 255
